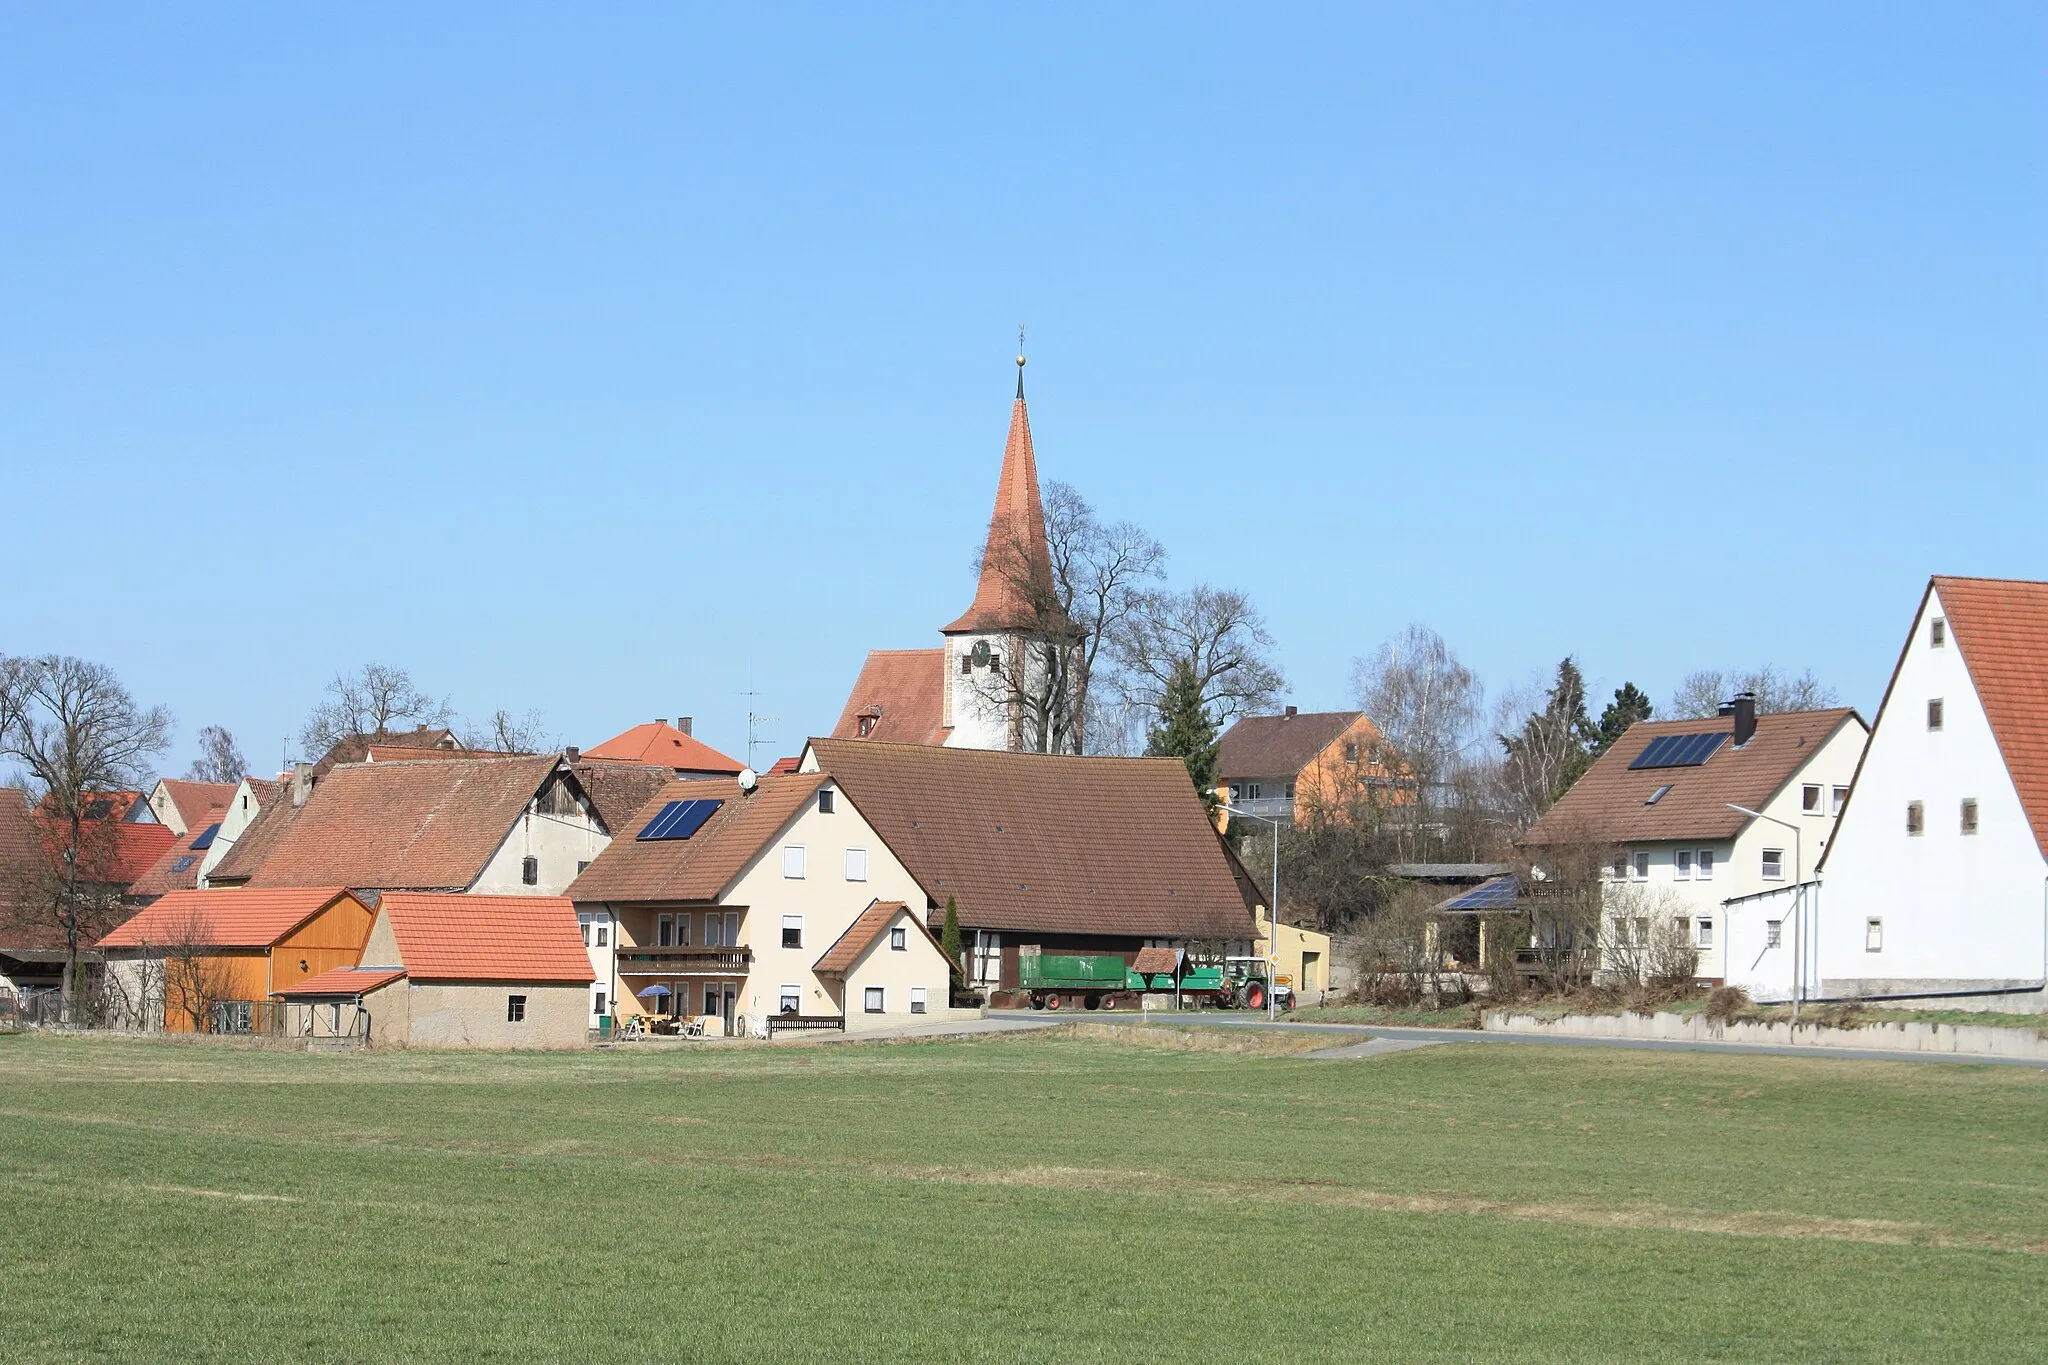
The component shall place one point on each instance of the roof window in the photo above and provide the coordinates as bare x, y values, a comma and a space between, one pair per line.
1657, 795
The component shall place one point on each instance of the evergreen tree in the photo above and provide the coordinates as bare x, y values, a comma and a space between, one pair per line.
1630, 704
949, 940
1185, 730
1553, 750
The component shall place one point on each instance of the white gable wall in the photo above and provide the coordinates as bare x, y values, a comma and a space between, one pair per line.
560, 842
1959, 911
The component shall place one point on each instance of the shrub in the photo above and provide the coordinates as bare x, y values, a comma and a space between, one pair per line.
1730, 1003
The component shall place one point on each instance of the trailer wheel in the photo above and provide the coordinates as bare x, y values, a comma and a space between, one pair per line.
1037, 1001
1052, 1002
1091, 1001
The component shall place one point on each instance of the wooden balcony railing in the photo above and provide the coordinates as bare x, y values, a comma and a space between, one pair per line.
685, 961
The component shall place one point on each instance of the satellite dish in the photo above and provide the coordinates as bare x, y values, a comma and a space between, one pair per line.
980, 654
748, 780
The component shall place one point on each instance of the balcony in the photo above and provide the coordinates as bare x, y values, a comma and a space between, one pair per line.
685, 961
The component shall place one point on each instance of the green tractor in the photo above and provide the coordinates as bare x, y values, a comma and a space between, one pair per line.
1245, 982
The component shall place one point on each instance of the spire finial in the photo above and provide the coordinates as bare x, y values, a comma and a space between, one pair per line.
1020, 360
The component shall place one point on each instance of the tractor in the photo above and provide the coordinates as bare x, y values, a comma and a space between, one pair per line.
1244, 985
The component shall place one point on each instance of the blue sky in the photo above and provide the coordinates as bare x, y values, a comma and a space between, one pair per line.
612, 361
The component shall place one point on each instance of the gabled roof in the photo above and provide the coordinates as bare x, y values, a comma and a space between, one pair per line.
1016, 564
223, 919
400, 826
343, 982
1608, 805
618, 790
902, 691
178, 866
1279, 746
1119, 846
275, 816
443, 937
355, 748
2001, 627
193, 799
701, 867
661, 743
863, 932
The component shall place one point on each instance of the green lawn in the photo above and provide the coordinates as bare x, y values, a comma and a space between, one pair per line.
1017, 1199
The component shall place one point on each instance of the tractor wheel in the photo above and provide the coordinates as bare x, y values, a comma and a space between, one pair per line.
1091, 1001
1255, 996
1037, 1002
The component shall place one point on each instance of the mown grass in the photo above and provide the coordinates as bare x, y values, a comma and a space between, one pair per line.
1041, 1198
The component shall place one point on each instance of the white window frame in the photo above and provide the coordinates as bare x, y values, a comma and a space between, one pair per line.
1873, 934
1703, 865
1837, 798
1774, 933
874, 1000
917, 1000
1812, 799
899, 938
793, 862
789, 999
1772, 857
1705, 930
856, 864
988, 958
1639, 867
795, 922
1681, 864
826, 802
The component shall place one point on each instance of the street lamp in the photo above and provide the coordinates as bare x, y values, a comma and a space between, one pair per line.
1798, 908
1272, 911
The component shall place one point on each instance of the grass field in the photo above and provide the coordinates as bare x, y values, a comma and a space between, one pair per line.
1041, 1198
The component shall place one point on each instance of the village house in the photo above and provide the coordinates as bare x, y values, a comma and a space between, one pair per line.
1047, 853
1936, 882
118, 846
185, 805
1663, 825
776, 900
247, 803
209, 961
668, 746
454, 971
1300, 766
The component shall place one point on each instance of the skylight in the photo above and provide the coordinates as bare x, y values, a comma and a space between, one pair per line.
679, 819
205, 841
182, 863
1680, 751
1657, 795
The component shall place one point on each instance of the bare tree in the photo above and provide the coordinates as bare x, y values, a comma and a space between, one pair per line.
366, 702
220, 758
80, 735
195, 977
1426, 704
1701, 693
505, 733
1217, 633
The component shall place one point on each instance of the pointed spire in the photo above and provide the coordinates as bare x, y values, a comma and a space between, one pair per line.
1016, 565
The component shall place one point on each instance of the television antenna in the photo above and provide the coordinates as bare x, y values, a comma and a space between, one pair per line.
754, 723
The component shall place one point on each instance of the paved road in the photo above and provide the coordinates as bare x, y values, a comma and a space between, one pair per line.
1214, 1019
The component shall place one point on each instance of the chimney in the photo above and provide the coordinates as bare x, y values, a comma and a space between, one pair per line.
302, 783
421, 728
684, 725
1290, 714
573, 754
661, 720
1744, 710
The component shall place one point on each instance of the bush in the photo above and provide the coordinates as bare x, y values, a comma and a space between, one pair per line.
1729, 1004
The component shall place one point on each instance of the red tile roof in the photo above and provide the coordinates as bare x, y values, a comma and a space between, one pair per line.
2001, 627
902, 692
1016, 566
1606, 806
251, 848
863, 932
223, 919
165, 874
661, 743
401, 826
114, 854
355, 748
787, 765
445, 937
193, 799
701, 867
1155, 961
344, 981
1117, 846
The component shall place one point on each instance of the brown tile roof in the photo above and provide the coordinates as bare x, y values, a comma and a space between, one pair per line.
402, 826
1279, 746
117, 853
355, 748
660, 742
617, 791
1016, 527
701, 867
344, 981
193, 799
274, 818
166, 874
864, 931
486, 938
1119, 846
903, 692
1155, 961
223, 919
2001, 627
1606, 806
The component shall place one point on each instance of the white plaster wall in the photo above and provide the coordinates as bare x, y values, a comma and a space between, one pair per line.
979, 720
243, 809
918, 963
1958, 910
560, 842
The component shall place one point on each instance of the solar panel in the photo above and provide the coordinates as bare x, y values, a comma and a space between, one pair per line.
679, 819
1679, 751
1497, 893
181, 864
205, 841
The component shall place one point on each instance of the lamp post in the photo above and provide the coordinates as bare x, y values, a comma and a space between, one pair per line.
1798, 907
1272, 911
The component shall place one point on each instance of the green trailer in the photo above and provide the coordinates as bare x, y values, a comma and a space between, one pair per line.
1097, 980
1054, 979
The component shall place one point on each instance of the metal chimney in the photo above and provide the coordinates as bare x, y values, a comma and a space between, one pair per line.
1744, 710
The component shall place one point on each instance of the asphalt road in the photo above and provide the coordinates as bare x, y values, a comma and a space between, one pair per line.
1220, 1019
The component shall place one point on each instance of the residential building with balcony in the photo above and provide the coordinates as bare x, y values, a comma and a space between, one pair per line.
1300, 766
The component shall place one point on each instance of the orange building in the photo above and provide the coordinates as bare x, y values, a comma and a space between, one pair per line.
1302, 767
209, 961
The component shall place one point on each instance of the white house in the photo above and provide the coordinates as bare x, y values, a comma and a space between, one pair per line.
1686, 818
1937, 881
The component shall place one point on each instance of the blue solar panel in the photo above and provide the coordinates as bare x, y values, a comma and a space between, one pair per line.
1679, 751
205, 841
1497, 893
181, 864
679, 819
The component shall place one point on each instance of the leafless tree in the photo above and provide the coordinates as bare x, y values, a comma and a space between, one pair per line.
220, 758
79, 734
1427, 703
367, 702
1218, 633
505, 733
1700, 695
195, 977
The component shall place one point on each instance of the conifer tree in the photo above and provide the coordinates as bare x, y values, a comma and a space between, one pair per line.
1630, 704
949, 940
1186, 732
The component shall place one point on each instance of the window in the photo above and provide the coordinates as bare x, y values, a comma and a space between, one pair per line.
1706, 938
529, 870
1937, 633
792, 931
1916, 821
515, 1009
793, 861
790, 1000
1619, 871
866, 725
966, 663
711, 999
1290, 791
1841, 799
604, 934
1236, 792
1642, 931
598, 1002
1658, 795
712, 938
856, 864
899, 938
1705, 864
1873, 936
581, 863
1934, 713
1351, 753
1774, 932
825, 796
665, 932
1969, 815
586, 933
872, 999
1809, 799
1774, 864
1642, 867
988, 958
917, 1000
1682, 864
1251, 791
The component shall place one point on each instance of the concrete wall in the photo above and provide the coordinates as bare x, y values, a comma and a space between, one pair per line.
1956, 909
1295, 950
976, 702
1963, 1039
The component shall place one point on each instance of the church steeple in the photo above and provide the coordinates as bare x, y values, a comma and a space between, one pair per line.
1016, 566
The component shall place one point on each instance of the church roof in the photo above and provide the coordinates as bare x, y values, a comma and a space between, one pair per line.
1016, 566
901, 692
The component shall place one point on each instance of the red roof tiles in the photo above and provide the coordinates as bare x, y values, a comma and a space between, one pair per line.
223, 919
702, 866
1279, 746
898, 698
661, 743
2001, 627
862, 933
344, 981
1016, 566
191, 800
487, 938
167, 873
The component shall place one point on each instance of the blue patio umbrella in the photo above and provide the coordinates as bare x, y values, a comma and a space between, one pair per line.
655, 992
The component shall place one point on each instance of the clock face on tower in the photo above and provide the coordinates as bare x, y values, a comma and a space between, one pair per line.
980, 654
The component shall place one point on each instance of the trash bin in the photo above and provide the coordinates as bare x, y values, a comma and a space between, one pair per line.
604, 1028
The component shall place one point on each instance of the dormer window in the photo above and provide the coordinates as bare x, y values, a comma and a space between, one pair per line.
866, 726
